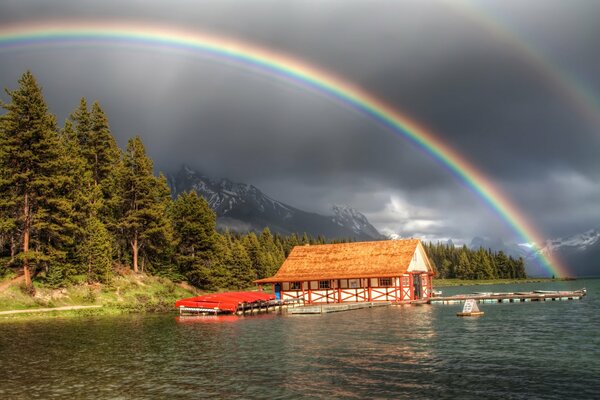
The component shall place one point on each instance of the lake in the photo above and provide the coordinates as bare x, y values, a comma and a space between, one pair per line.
548, 350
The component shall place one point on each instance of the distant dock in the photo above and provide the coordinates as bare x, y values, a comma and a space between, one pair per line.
335, 307
512, 297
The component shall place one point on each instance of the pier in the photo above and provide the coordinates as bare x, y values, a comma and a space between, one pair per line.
251, 303
512, 297
336, 307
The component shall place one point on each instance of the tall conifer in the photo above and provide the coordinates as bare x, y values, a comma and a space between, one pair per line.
143, 202
31, 182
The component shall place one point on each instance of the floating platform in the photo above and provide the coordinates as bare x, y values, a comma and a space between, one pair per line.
335, 307
470, 309
470, 314
512, 297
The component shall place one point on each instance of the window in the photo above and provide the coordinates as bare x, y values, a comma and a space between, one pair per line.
353, 283
324, 284
405, 281
295, 285
385, 281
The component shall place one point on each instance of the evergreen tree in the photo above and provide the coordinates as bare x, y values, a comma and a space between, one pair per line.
32, 183
240, 267
253, 249
144, 208
195, 237
102, 155
271, 256
96, 251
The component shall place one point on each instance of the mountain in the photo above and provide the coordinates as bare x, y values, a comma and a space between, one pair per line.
241, 207
580, 253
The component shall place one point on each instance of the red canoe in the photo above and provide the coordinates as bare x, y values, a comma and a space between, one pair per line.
223, 302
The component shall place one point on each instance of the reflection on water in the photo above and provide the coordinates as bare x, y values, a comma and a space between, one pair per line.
534, 350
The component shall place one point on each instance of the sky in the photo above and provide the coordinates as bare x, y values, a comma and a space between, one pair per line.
510, 85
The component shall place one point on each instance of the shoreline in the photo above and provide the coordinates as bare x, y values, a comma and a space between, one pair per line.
127, 293
141, 294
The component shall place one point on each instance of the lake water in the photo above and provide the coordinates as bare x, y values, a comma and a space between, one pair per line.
548, 350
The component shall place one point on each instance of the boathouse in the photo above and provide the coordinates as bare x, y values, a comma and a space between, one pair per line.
390, 270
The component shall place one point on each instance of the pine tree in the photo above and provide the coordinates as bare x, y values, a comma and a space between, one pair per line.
252, 246
103, 157
144, 208
271, 256
32, 182
96, 251
240, 266
195, 237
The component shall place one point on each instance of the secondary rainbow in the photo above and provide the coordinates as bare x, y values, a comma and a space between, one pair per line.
296, 71
581, 97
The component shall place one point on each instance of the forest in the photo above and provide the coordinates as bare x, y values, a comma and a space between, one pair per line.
73, 204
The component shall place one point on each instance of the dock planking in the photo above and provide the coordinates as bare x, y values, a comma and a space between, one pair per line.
336, 307
512, 297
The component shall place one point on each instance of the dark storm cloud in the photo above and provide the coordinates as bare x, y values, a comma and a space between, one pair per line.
474, 90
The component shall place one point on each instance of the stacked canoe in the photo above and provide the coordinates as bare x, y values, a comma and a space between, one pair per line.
227, 302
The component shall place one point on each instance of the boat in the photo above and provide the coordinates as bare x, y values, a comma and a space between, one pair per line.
470, 309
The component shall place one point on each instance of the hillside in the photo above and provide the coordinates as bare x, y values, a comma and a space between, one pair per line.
126, 292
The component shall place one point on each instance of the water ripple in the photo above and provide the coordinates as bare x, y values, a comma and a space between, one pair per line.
517, 351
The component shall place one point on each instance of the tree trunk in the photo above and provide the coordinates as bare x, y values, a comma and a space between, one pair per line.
26, 272
13, 248
134, 246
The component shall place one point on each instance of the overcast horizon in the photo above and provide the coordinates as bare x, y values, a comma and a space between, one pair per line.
504, 83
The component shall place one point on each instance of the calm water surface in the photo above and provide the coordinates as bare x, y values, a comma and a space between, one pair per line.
545, 350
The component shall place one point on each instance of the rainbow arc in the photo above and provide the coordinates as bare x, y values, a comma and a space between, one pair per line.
298, 72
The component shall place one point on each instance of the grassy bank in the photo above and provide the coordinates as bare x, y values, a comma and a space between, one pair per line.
126, 293
438, 283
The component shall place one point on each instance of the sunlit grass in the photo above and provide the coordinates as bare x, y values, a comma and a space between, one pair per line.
125, 293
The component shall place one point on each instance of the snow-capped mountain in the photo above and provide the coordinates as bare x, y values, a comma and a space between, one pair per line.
348, 217
241, 207
579, 253
580, 241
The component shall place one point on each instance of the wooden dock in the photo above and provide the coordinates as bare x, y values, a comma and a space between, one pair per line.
512, 297
335, 307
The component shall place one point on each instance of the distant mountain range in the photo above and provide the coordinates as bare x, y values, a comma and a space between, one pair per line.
241, 207
580, 253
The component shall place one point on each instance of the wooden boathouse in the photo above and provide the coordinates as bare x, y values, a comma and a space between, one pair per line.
390, 271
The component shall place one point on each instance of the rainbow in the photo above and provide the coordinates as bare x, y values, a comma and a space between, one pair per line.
584, 101
297, 72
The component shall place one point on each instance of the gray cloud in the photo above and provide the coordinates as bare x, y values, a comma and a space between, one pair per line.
475, 91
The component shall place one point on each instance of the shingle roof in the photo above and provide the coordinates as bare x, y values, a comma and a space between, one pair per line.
346, 260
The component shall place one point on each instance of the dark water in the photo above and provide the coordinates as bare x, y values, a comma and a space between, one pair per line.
545, 350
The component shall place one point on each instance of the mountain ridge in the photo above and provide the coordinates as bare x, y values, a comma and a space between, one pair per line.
243, 207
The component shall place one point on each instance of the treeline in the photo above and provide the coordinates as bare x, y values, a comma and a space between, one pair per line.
73, 205
463, 263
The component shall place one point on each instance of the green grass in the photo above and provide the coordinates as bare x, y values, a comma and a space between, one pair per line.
127, 293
